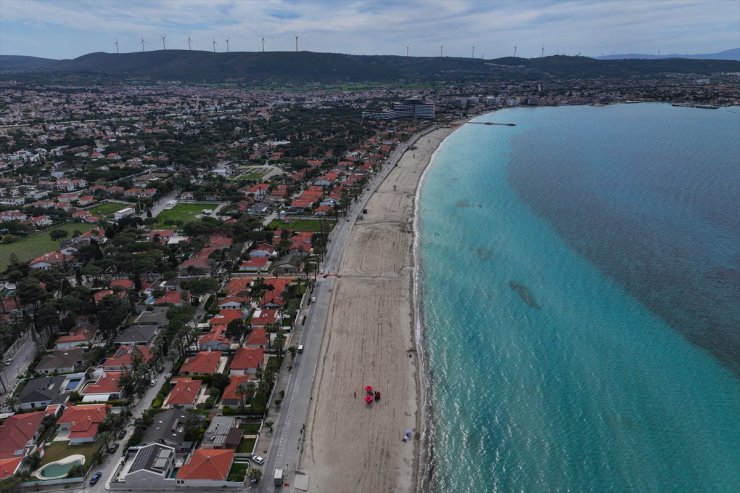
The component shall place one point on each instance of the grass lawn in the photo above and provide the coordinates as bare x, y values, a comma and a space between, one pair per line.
37, 244
246, 446
238, 471
59, 450
250, 428
300, 224
184, 212
107, 208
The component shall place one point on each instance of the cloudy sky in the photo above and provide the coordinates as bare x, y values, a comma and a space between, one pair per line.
70, 28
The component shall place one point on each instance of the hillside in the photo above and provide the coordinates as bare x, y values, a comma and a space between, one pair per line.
733, 54
307, 67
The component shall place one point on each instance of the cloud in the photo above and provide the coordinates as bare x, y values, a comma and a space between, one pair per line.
372, 26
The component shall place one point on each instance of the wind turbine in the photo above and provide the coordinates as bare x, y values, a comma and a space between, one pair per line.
515, 50
542, 53
189, 45
227, 45
296, 43
142, 44
116, 43
164, 46
214, 45
473, 53
407, 51
263, 43
441, 48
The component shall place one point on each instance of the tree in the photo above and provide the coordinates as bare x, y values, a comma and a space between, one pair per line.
58, 234
235, 329
255, 474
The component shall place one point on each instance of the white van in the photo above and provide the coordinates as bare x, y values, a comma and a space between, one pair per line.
300, 348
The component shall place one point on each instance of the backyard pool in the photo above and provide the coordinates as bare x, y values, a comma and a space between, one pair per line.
73, 383
60, 468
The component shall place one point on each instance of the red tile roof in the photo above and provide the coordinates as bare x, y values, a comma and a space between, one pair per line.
258, 337
247, 358
84, 419
106, 384
213, 464
9, 466
122, 283
238, 285
234, 383
170, 297
123, 356
202, 363
185, 391
264, 317
17, 431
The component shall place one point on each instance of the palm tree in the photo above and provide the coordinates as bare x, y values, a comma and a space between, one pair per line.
241, 391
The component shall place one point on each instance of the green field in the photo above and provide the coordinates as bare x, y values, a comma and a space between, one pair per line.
301, 224
60, 450
184, 212
32, 246
107, 208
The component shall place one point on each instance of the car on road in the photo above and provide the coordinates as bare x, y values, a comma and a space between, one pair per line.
121, 434
313, 299
95, 478
258, 459
153, 382
113, 448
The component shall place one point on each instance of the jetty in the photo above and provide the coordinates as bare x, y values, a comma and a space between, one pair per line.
492, 123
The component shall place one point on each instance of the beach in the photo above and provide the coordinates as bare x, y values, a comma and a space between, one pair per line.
369, 340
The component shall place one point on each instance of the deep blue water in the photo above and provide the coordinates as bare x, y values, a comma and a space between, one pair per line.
581, 301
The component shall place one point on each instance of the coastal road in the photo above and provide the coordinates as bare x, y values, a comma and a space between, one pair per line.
287, 441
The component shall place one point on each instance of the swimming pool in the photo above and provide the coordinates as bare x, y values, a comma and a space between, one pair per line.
60, 468
73, 383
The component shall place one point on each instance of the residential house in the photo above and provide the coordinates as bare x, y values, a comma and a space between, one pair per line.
246, 361
18, 436
137, 335
123, 357
203, 363
48, 260
215, 340
290, 264
232, 396
103, 387
156, 316
150, 469
184, 393
61, 361
206, 467
257, 338
220, 433
264, 318
170, 427
257, 265
263, 250
43, 391
80, 335
170, 298
79, 424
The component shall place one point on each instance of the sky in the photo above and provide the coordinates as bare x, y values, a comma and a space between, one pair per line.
463, 28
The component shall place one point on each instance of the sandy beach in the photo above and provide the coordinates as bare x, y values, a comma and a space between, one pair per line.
369, 339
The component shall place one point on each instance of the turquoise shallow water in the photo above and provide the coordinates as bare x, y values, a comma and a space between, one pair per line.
559, 352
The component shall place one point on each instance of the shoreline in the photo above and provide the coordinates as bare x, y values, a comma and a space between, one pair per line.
371, 335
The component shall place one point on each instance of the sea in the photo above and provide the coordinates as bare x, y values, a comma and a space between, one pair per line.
579, 301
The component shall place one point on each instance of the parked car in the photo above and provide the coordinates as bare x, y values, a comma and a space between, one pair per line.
258, 459
121, 434
153, 382
95, 478
113, 448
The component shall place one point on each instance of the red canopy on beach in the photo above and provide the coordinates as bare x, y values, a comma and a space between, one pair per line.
368, 388
368, 399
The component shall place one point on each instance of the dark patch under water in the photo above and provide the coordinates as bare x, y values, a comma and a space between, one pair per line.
524, 294
661, 220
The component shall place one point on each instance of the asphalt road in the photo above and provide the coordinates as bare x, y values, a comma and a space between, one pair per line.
20, 361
